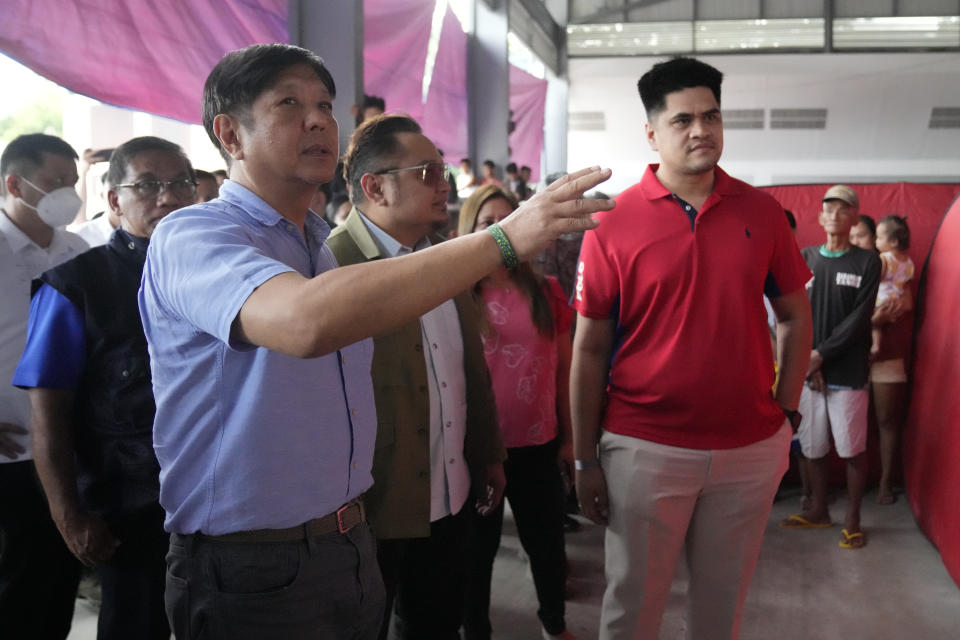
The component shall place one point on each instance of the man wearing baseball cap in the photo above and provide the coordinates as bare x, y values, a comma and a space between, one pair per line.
834, 398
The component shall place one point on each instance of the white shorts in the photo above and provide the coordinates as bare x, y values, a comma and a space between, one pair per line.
842, 412
888, 371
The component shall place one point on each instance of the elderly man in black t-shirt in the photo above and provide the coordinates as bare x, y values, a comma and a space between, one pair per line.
835, 399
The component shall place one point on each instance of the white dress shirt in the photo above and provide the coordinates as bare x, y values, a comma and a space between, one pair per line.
95, 232
21, 260
443, 355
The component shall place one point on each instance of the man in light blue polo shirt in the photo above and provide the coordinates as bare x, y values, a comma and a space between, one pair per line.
261, 368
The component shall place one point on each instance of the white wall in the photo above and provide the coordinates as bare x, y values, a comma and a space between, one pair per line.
878, 112
89, 124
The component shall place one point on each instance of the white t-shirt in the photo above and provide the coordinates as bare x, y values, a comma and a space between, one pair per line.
21, 260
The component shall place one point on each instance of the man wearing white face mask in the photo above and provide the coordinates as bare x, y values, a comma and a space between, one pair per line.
38, 575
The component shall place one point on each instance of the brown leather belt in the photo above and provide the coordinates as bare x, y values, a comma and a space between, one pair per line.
342, 520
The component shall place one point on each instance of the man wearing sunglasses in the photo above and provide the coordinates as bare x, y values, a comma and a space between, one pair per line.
437, 433
265, 421
88, 374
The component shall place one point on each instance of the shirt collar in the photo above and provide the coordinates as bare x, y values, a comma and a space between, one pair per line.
386, 243
128, 243
239, 196
723, 184
16, 238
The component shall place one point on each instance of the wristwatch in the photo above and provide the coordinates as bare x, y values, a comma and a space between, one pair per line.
794, 417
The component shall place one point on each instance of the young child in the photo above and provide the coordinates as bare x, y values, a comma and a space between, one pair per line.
893, 239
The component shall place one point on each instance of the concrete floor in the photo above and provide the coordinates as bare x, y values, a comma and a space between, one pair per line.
805, 586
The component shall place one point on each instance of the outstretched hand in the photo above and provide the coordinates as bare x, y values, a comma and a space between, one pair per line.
558, 209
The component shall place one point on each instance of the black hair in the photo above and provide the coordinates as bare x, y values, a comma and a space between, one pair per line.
200, 174
372, 144
869, 223
512, 167
898, 230
490, 163
122, 155
24, 154
791, 219
242, 75
466, 161
525, 168
374, 101
673, 75
528, 281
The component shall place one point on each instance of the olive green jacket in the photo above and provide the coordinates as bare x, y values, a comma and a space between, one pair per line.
398, 504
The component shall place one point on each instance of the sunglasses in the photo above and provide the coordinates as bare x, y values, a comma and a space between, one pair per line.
431, 173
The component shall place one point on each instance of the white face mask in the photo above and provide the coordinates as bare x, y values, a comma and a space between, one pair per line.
56, 208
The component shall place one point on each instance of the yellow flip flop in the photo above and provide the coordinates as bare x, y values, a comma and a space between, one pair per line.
796, 521
855, 540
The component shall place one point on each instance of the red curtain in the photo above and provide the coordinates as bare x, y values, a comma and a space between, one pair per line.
932, 439
923, 204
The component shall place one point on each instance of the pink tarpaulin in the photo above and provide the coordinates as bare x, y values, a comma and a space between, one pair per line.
396, 37
445, 114
528, 99
143, 54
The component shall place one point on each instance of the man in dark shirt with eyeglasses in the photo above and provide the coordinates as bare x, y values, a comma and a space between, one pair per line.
88, 374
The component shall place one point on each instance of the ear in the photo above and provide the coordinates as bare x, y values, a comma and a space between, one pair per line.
372, 185
12, 184
113, 201
228, 131
651, 136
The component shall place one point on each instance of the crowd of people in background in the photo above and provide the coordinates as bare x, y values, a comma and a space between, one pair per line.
155, 338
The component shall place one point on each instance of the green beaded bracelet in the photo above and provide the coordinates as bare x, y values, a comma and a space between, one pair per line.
510, 260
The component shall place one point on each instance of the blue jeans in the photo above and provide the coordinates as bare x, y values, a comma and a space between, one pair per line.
327, 586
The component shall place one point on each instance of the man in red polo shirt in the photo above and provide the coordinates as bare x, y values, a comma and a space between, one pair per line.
678, 438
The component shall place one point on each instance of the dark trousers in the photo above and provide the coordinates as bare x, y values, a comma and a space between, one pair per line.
425, 580
535, 492
132, 580
38, 574
327, 586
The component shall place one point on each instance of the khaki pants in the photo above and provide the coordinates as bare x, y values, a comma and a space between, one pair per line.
714, 502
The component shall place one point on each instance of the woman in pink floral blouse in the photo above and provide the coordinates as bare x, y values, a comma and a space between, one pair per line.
526, 336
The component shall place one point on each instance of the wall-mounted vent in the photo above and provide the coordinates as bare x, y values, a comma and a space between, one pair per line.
798, 118
587, 121
743, 118
945, 118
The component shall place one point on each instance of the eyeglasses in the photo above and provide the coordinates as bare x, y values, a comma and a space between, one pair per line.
431, 172
183, 188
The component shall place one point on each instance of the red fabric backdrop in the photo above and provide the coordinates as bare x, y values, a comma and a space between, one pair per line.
932, 437
923, 204
932, 440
